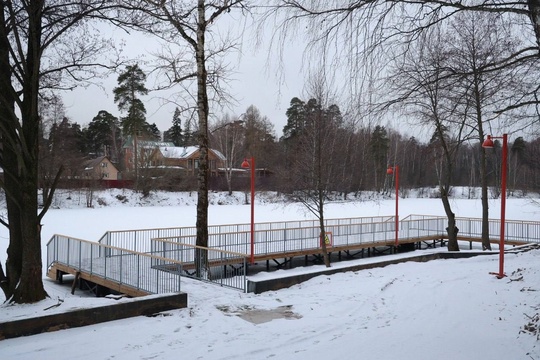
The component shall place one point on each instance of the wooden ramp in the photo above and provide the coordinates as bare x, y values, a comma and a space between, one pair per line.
57, 271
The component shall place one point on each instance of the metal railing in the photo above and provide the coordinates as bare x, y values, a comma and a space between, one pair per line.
288, 240
139, 240
516, 230
283, 241
216, 266
123, 266
151, 259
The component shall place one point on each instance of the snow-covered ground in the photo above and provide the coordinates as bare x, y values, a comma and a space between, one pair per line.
443, 309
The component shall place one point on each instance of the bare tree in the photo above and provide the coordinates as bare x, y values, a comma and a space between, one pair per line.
313, 168
422, 83
228, 136
185, 27
476, 42
32, 35
359, 36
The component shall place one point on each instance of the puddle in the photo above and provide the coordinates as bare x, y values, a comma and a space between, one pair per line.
260, 316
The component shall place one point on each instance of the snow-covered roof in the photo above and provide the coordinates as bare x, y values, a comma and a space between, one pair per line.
219, 155
174, 152
146, 144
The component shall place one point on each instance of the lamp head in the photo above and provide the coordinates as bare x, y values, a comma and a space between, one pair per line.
488, 143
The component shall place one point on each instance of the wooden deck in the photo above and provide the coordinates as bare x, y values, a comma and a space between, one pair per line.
378, 244
280, 259
56, 271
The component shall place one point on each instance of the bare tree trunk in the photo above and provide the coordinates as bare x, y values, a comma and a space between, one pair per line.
28, 288
486, 245
534, 10
452, 230
202, 107
326, 257
10, 183
229, 181
10, 278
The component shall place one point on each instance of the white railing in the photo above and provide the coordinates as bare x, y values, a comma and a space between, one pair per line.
288, 240
139, 240
515, 230
123, 266
217, 266
148, 259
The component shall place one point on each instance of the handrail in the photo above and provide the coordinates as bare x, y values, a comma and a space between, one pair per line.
216, 266
123, 266
166, 240
139, 238
277, 242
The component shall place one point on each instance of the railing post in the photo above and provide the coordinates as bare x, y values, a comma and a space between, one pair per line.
245, 277
56, 247
67, 255
138, 271
80, 256
179, 267
157, 282
91, 258
121, 263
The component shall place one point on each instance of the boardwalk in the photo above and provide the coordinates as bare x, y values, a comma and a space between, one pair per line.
150, 260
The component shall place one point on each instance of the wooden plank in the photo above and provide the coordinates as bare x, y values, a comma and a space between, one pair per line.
110, 284
359, 246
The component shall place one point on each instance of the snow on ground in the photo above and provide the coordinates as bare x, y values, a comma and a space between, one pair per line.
443, 309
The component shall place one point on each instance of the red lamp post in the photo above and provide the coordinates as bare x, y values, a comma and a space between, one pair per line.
488, 144
251, 165
390, 171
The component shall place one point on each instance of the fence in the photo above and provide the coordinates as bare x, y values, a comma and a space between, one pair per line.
152, 259
278, 242
515, 230
139, 240
125, 267
219, 267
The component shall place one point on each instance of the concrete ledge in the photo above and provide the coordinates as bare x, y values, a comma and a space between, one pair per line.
261, 286
140, 306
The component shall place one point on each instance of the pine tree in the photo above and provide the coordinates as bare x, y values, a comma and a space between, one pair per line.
130, 85
379, 149
296, 117
174, 134
102, 136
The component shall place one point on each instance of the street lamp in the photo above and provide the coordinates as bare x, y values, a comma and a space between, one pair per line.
390, 171
488, 144
251, 165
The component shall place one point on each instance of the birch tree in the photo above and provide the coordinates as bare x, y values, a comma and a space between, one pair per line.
228, 137
185, 26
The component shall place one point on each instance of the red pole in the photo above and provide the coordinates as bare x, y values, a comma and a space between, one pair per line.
397, 208
252, 210
503, 204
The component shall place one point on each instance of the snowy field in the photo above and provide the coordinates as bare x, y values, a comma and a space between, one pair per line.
443, 309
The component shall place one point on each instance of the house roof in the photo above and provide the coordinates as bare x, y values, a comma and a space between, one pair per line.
90, 164
219, 155
173, 152
147, 144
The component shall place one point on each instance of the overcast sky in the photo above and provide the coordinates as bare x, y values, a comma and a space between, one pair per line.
254, 81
